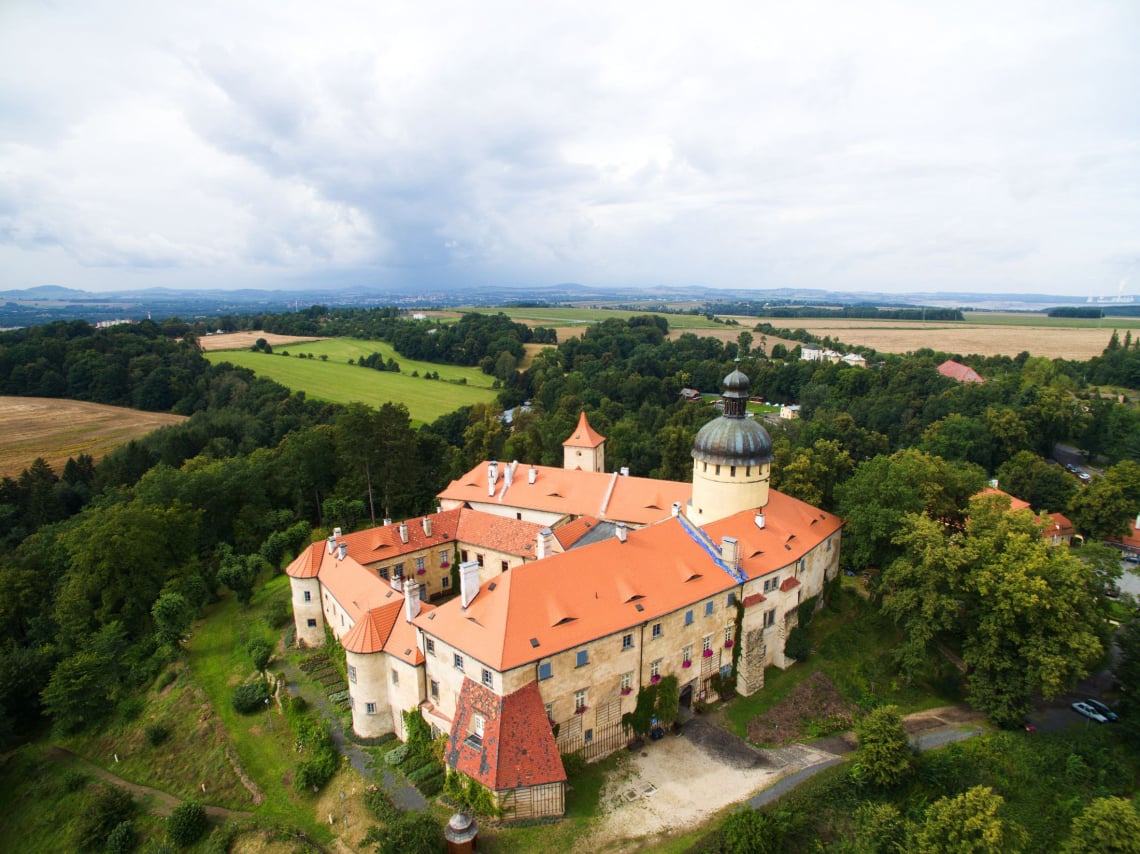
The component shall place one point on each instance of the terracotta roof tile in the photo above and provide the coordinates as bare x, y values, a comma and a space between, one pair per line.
383, 542
789, 583
584, 436
402, 641
571, 532
370, 633
517, 747
753, 599
958, 371
573, 493
501, 533
308, 562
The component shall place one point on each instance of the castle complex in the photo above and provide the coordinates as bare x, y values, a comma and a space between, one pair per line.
577, 588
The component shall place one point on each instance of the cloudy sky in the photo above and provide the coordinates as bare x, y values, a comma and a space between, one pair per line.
909, 146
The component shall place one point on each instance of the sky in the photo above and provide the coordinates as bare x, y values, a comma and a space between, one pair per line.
893, 147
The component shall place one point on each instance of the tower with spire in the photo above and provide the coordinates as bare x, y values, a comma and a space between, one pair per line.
585, 449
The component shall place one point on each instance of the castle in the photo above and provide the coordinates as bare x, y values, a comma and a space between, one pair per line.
577, 588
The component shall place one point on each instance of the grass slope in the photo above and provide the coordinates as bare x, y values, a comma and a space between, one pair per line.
337, 381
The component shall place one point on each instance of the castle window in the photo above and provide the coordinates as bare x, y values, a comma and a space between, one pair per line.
504, 566
655, 669
627, 641
309, 595
732, 471
627, 681
429, 646
728, 632
475, 734
479, 559
545, 670
434, 690
486, 677
769, 618
549, 711
656, 630
687, 654
588, 737
383, 572
351, 673
395, 677
689, 617
312, 623
717, 468
444, 559
580, 700
582, 658
458, 661
463, 556
445, 582
709, 608
419, 564
370, 708
706, 643
731, 603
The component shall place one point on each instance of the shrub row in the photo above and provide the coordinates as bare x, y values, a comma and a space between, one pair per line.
396, 755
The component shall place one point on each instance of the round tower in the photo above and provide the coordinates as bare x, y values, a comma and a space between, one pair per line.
732, 459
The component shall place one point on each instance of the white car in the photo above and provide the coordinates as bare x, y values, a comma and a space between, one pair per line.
1089, 712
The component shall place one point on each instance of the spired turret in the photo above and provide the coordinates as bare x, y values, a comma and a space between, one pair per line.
732, 459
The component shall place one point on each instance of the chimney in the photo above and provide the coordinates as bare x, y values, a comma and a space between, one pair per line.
404, 533
625, 471
729, 550
336, 533
621, 533
1137, 525
411, 600
508, 476
468, 582
342, 550
676, 508
532, 475
387, 521
760, 521
427, 526
545, 544
993, 483
332, 543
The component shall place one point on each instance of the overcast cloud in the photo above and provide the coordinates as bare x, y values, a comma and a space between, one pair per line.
908, 146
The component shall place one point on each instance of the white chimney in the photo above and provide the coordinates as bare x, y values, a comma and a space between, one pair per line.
411, 600
427, 526
676, 508
331, 544
387, 521
404, 533
621, 534
508, 476
342, 550
532, 475
1137, 526
729, 550
336, 533
625, 471
468, 582
545, 544
760, 521
993, 483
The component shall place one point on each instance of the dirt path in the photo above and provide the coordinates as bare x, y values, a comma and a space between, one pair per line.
161, 803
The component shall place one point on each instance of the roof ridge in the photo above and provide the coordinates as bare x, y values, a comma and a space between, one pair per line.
705, 542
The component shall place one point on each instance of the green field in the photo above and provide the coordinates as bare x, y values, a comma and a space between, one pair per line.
337, 381
586, 316
998, 318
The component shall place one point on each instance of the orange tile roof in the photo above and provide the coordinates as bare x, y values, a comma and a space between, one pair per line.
402, 641
501, 533
370, 633
1014, 503
584, 436
308, 562
570, 599
517, 748
573, 492
383, 542
958, 371
571, 532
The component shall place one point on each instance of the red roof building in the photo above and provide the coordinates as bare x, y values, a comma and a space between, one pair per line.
959, 372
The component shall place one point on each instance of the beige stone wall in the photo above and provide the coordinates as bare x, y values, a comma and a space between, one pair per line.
586, 459
406, 692
492, 565
437, 559
542, 517
733, 489
308, 609
440, 666
368, 687
335, 616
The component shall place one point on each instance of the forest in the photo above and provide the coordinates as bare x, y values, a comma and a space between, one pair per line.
107, 562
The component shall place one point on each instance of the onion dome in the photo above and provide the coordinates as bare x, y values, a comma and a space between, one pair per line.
732, 439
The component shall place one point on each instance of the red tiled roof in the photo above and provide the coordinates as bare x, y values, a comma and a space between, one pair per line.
517, 748
308, 562
573, 493
1014, 503
501, 533
571, 532
383, 542
753, 599
402, 641
958, 371
584, 436
789, 583
370, 633
571, 598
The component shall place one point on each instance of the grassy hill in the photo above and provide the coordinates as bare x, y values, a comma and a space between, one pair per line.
333, 379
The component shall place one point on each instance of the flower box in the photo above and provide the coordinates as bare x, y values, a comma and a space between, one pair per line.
655, 679
728, 644
625, 692
580, 710
421, 572
686, 663
707, 653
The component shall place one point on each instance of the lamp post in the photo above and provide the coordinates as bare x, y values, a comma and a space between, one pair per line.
268, 716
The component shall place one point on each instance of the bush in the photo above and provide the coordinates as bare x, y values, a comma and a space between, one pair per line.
380, 804
73, 780
156, 734
423, 772
432, 786
108, 807
797, 645
396, 755
315, 772
250, 697
187, 823
123, 838
260, 652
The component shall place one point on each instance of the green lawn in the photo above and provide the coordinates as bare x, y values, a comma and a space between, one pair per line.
986, 318
337, 381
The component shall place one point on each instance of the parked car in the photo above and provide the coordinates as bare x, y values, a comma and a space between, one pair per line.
1104, 710
1089, 712
1084, 476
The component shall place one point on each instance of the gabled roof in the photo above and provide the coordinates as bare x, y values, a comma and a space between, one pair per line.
383, 542
370, 633
584, 436
1014, 503
958, 371
572, 532
517, 748
573, 493
572, 598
